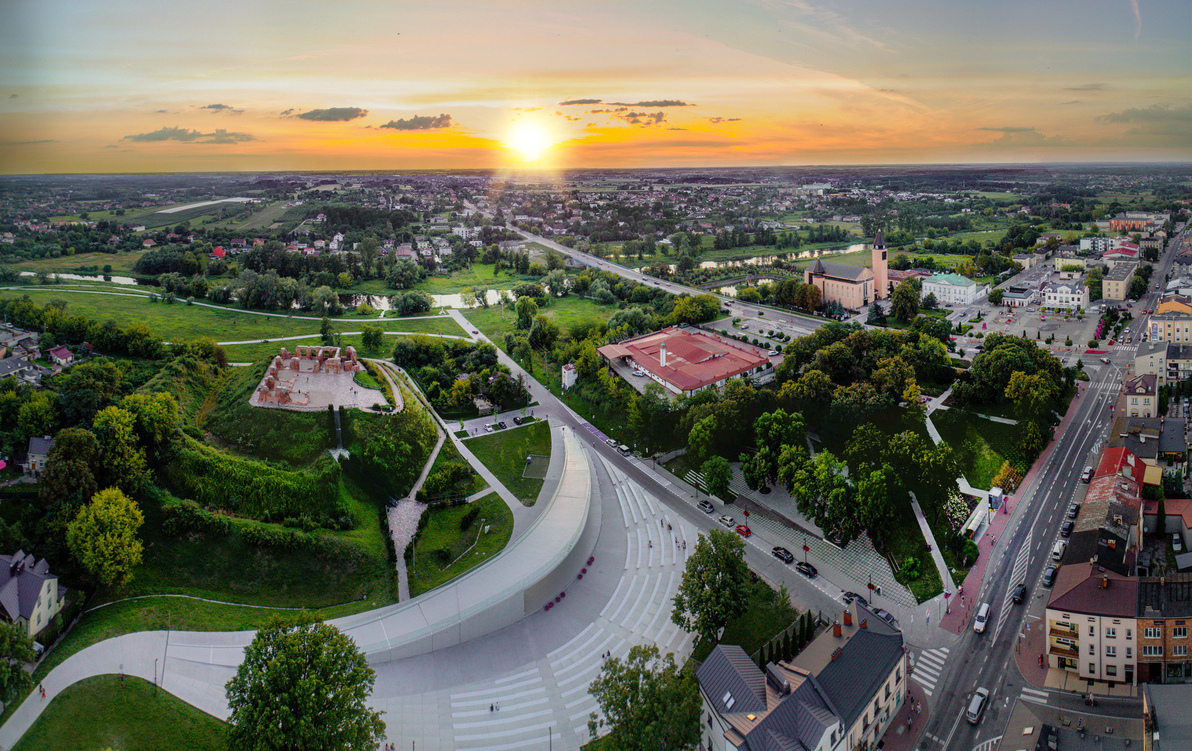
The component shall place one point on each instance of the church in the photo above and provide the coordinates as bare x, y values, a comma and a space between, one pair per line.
854, 287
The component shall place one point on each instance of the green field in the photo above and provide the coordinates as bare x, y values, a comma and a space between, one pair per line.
106, 712
564, 311
121, 263
479, 275
504, 453
257, 350
469, 547
976, 441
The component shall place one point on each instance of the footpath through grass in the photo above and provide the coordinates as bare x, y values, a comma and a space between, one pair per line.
466, 549
505, 452
106, 712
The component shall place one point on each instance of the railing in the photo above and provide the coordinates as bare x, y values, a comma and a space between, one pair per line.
1059, 651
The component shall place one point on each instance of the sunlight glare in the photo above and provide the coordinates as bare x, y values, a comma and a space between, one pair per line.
529, 139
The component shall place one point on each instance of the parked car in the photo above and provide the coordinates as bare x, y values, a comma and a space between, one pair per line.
1177, 543
1105, 360
726, 520
976, 705
772, 353
1020, 593
1058, 550
982, 619
623, 450
706, 507
1049, 575
1066, 528
1073, 510
783, 555
517, 421
885, 615
743, 530
849, 597
806, 569
1087, 475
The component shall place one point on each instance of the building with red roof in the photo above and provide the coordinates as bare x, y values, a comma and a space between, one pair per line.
685, 361
219, 252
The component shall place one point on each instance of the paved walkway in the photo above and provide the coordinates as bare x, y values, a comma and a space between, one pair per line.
936, 555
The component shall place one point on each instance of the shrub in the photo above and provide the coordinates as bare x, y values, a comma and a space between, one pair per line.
467, 519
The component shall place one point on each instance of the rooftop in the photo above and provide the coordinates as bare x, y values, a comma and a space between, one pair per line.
694, 359
1165, 597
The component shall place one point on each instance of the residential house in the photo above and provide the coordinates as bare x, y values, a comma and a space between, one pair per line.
35, 456
1141, 395
1091, 622
61, 356
841, 692
1070, 295
29, 593
1164, 612
1151, 359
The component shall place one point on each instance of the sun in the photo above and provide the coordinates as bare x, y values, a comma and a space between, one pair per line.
530, 139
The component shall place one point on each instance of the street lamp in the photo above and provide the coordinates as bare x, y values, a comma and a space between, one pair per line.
155, 676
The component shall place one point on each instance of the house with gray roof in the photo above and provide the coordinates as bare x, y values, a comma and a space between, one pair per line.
29, 593
842, 691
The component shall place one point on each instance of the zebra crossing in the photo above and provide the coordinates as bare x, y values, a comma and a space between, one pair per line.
1016, 577
1035, 695
697, 479
547, 703
928, 666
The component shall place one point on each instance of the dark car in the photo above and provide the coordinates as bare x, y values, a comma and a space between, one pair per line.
1049, 576
1066, 528
517, 421
783, 555
707, 507
1073, 510
850, 596
806, 569
1020, 593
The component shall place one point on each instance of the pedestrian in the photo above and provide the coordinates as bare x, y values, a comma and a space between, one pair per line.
498, 706
684, 544
42, 688
651, 543
490, 707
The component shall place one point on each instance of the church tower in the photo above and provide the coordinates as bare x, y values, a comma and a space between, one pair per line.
880, 277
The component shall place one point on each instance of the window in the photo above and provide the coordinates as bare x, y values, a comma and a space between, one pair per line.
1151, 633
1180, 632
1092, 631
1111, 633
1111, 651
1151, 650
1129, 633
1110, 670
1180, 650
1092, 667
1129, 652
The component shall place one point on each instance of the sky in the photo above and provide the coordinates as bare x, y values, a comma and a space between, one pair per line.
288, 85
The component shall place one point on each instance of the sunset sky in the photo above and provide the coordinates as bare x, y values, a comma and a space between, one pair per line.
132, 86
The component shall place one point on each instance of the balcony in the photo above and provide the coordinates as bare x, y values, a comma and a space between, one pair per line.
1061, 651
1066, 633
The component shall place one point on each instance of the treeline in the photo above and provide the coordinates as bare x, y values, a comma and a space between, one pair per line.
134, 340
452, 373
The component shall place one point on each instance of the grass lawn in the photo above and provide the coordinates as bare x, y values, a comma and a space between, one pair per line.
467, 548
479, 275
257, 350
767, 615
976, 442
564, 311
105, 712
504, 453
121, 263
449, 454
906, 539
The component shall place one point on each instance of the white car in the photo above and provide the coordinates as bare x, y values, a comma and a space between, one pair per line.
726, 520
982, 619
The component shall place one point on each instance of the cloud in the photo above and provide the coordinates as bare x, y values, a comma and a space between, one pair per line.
421, 122
287, 113
1010, 129
657, 103
161, 112
189, 136
1155, 120
332, 114
609, 110
12, 96
644, 119
1137, 19
571, 119
222, 108
1086, 87
570, 102
676, 129
1017, 136
27, 143
718, 120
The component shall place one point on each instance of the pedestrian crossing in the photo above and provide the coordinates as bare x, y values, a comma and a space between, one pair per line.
1017, 574
928, 666
1035, 695
697, 479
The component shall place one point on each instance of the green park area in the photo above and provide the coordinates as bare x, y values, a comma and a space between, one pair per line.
981, 445
105, 711
457, 539
504, 454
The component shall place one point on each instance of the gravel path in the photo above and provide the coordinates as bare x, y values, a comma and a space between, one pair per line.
403, 523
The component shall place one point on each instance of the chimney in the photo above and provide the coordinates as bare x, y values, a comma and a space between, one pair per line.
836, 631
662, 354
848, 618
864, 623
1104, 582
837, 652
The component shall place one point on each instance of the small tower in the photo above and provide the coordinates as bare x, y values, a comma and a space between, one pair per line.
880, 265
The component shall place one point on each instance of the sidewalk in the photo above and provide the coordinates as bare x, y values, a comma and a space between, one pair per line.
958, 615
900, 737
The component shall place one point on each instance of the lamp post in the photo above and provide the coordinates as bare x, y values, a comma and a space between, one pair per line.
155, 676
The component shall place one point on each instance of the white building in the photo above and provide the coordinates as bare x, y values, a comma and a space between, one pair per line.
953, 289
1070, 295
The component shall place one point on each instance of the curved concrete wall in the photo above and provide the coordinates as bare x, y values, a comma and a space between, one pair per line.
521, 579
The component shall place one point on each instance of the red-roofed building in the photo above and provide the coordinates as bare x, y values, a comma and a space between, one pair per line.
685, 361
219, 252
1121, 461
61, 356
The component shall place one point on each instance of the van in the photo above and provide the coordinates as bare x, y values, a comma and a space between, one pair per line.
982, 619
623, 449
1057, 550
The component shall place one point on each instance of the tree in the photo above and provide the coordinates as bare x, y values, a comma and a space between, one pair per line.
715, 585
716, 472
876, 317
701, 438
372, 338
647, 701
996, 296
303, 686
103, 537
16, 649
527, 310
1007, 478
905, 303
1031, 394
875, 507
556, 282
929, 302
156, 416
696, 309
67, 477
121, 462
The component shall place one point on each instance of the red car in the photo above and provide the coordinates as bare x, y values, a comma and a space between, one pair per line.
743, 530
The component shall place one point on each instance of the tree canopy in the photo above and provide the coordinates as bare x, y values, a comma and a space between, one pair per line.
714, 587
303, 686
647, 701
103, 537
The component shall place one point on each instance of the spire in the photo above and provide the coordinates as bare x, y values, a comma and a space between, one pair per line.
879, 242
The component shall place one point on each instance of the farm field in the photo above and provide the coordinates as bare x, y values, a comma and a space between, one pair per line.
121, 263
